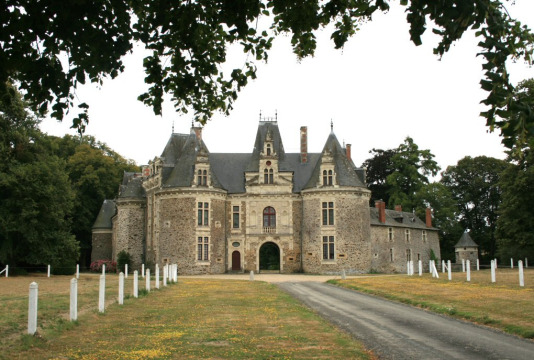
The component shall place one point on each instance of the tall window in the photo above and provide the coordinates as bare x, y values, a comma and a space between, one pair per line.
391, 255
202, 177
328, 213
268, 177
408, 255
390, 234
424, 236
203, 214
235, 217
203, 248
268, 149
407, 235
269, 217
327, 177
328, 248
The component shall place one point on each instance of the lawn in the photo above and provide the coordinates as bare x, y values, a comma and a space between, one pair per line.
503, 305
193, 319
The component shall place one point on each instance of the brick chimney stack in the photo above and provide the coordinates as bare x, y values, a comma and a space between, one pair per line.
381, 206
428, 217
347, 149
398, 208
303, 144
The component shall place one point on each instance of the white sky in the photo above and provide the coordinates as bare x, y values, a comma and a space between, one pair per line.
379, 89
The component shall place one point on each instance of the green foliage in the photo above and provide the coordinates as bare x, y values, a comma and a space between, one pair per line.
123, 258
412, 167
51, 47
474, 184
516, 214
35, 194
378, 168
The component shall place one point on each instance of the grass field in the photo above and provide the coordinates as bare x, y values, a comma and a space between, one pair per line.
193, 319
503, 305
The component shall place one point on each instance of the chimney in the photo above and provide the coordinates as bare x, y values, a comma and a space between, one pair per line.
381, 206
303, 144
347, 149
198, 132
398, 208
428, 217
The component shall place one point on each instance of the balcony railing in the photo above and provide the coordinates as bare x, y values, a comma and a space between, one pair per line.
269, 229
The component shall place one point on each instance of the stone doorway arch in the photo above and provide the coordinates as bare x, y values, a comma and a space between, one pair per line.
269, 257
236, 261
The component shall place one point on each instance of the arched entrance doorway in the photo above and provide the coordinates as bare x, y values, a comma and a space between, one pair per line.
269, 256
236, 260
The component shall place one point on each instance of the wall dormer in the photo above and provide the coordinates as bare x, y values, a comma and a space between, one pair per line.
327, 170
201, 176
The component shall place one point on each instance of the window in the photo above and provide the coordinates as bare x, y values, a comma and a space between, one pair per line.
268, 176
390, 234
407, 235
328, 248
328, 213
203, 248
268, 149
408, 255
391, 255
424, 236
203, 214
327, 177
202, 178
269, 217
235, 217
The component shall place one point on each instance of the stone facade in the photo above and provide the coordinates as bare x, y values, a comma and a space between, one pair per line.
264, 211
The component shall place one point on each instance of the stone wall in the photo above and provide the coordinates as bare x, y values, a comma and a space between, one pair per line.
129, 231
350, 230
101, 245
389, 256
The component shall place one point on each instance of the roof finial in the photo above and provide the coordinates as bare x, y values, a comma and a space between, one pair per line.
192, 123
260, 115
173, 126
331, 125
276, 115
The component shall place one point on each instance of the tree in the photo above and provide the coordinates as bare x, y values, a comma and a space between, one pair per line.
378, 168
94, 171
515, 238
35, 194
51, 47
411, 169
474, 184
438, 197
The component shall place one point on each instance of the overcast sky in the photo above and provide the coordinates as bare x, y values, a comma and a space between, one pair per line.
379, 89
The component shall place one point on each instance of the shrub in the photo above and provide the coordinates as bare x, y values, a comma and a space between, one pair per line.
123, 258
96, 266
65, 267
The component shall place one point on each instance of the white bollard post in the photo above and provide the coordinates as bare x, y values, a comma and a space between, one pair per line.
143, 270
463, 265
121, 288
73, 299
511, 263
251, 275
104, 269
449, 270
175, 273
48, 271
493, 265
77, 271
165, 269
478, 265
443, 266
102, 294
136, 284
147, 286
521, 276
468, 268
411, 267
407, 268
430, 266
7, 270
126, 271
32, 308
157, 276
420, 263
434, 270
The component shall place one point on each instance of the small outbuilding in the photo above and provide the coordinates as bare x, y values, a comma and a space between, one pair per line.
466, 249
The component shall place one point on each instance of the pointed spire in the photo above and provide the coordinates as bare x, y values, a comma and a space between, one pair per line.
331, 126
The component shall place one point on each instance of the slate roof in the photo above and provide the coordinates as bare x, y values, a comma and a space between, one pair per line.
107, 211
466, 241
398, 219
344, 168
132, 186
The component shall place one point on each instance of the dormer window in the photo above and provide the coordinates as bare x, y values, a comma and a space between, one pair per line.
202, 178
328, 176
268, 176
